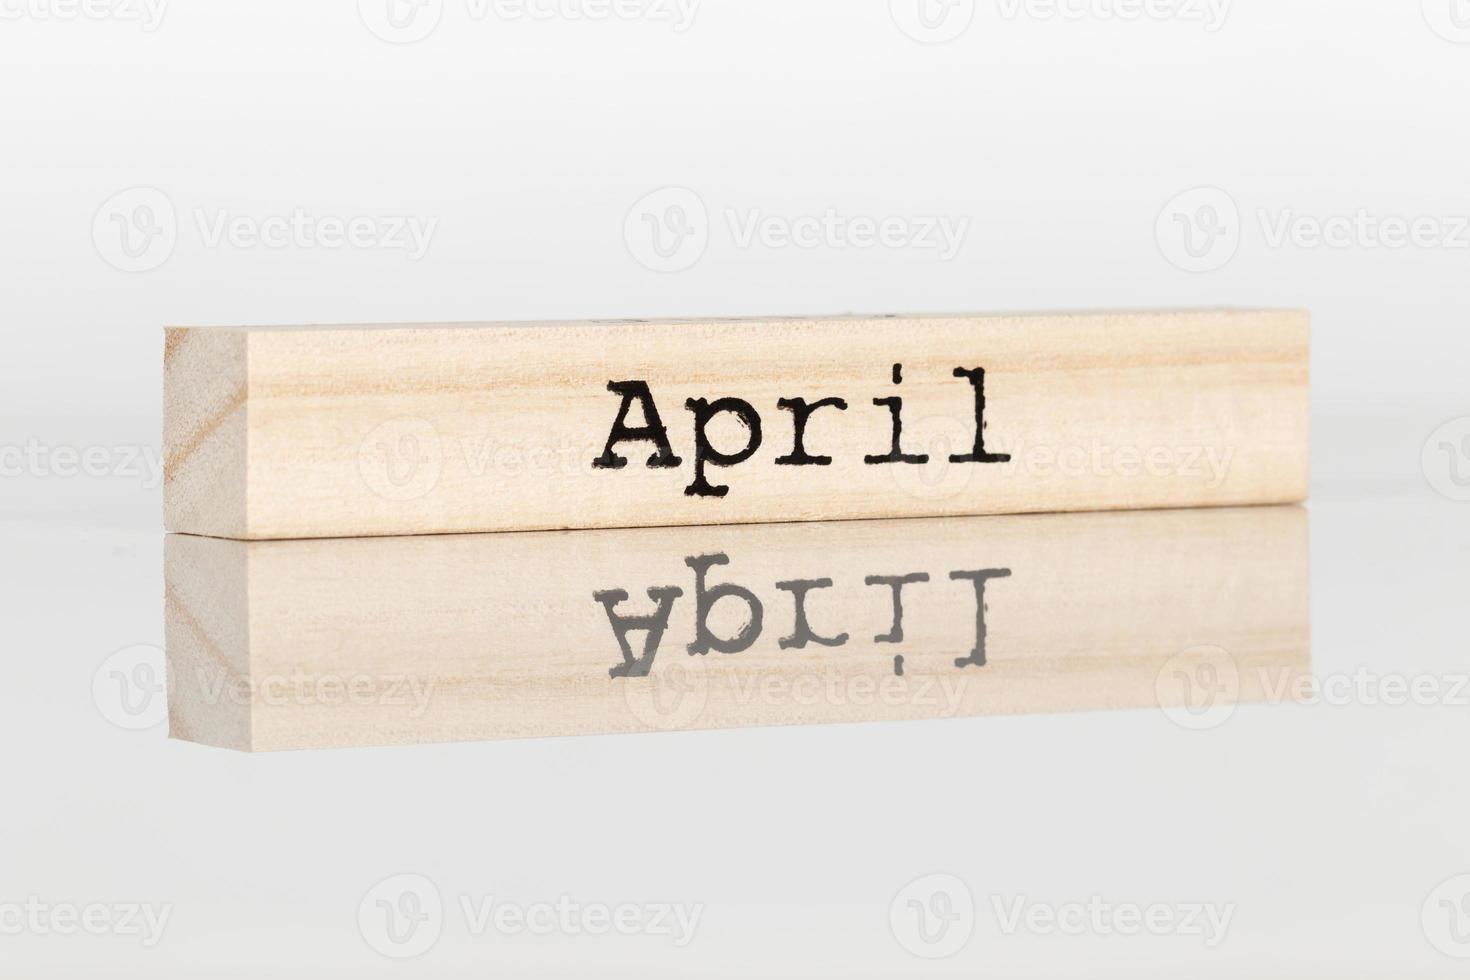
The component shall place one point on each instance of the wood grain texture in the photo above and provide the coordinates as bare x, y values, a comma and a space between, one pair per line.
343, 431
368, 641
204, 431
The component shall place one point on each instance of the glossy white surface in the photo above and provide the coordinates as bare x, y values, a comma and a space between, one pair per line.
1325, 827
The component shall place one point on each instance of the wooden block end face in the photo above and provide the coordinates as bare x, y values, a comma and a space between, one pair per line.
205, 431
207, 640
502, 427
372, 641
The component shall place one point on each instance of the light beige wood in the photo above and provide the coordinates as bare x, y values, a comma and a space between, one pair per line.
204, 431
318, 432
307, 643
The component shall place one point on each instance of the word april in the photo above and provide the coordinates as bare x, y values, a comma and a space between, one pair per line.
704, 411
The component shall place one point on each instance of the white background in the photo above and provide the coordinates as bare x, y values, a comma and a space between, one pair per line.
1065, 142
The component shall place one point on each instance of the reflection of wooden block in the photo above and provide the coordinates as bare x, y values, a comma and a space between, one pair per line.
320, 432
293, 644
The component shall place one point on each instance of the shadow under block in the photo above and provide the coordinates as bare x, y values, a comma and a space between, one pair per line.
387, 430
371, 641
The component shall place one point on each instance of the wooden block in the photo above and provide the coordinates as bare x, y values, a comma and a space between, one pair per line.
342, 431
366, 641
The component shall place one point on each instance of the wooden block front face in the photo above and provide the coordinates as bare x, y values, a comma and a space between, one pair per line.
308, 643
402, 430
